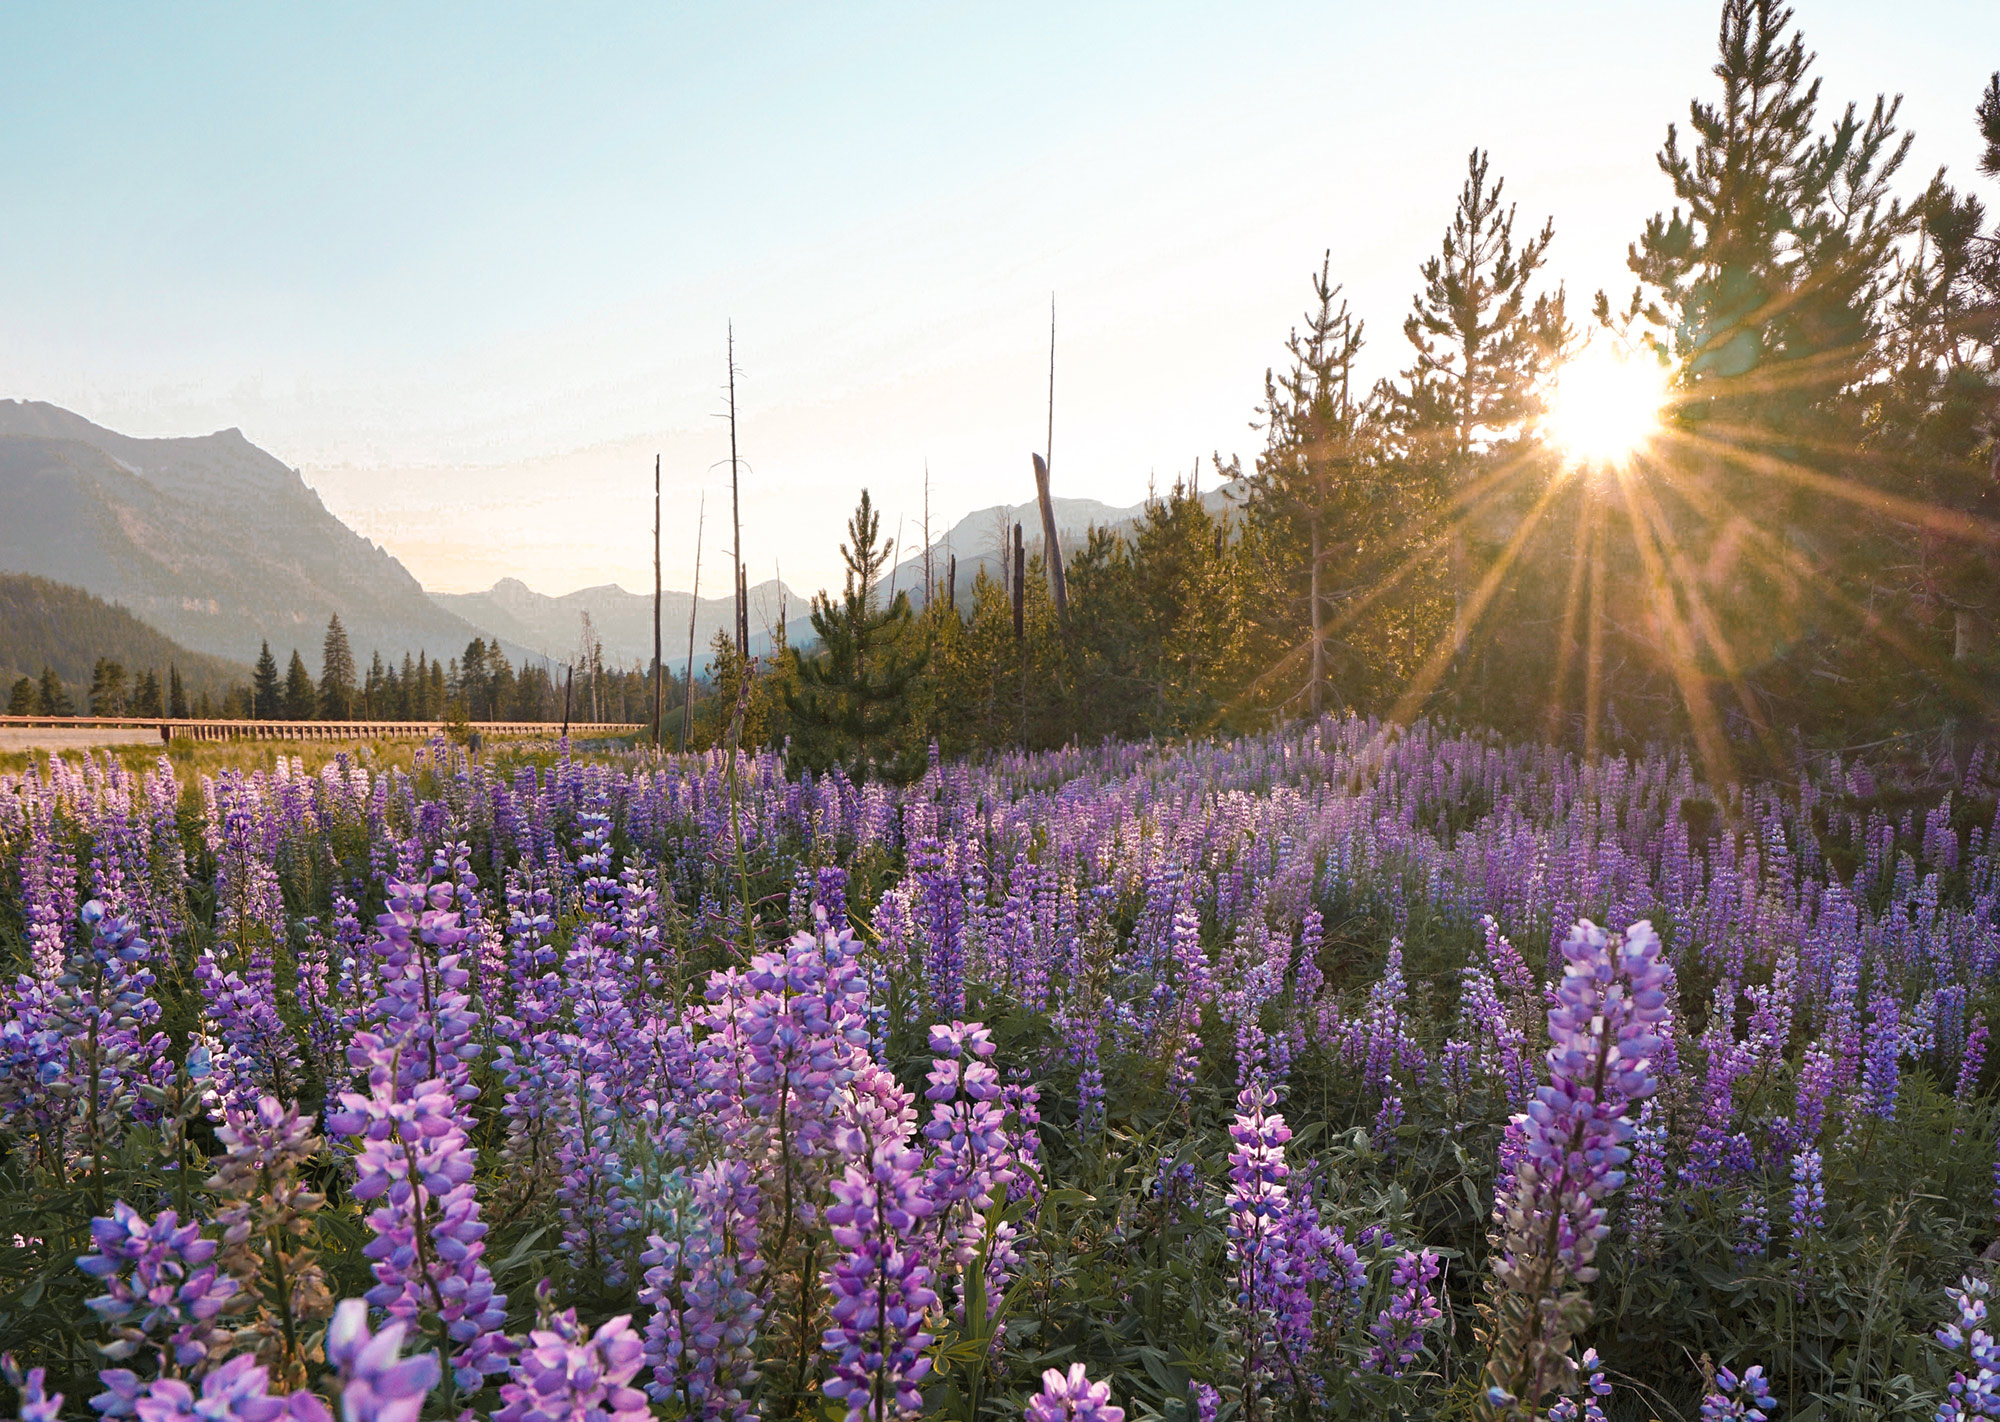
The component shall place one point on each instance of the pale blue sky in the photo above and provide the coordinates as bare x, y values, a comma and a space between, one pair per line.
469, 266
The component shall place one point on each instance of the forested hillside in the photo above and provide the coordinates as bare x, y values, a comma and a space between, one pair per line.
50, 626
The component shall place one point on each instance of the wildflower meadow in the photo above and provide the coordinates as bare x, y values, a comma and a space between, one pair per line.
1342, 1070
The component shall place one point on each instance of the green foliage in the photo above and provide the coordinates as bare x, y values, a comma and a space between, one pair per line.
107, 688
850, 702
267, 696
65, 630
336, 680
301, 697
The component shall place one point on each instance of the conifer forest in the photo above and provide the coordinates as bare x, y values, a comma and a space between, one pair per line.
1489, 909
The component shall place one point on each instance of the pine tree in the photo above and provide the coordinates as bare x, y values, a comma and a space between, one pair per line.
375, 689
301, 698
850, 705
266, 693
107, 688
146, 698
177, 701
52, 697
1320, 506
1745, 550
21, 700
474, 681
1939, 416
336, 679
1483, 339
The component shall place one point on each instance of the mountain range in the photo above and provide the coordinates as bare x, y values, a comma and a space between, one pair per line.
623, 621
210, 540
220, 546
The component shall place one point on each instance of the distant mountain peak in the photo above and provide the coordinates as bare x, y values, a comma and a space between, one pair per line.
208, 538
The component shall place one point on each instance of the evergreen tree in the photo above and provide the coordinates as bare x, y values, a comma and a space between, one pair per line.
376, 688
1938, 420
336, 679
52, 697
146, 698
1322, 507
1740, 552
177, 701
1483, 339
107, 688
301, 698
472, 687
21, 700
266, 692
850, 705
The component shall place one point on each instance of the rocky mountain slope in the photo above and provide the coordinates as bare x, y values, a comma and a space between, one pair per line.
210, 540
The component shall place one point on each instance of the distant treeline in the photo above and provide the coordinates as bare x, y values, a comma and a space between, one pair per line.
480, 685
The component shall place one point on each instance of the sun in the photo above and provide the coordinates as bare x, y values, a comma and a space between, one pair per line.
1605, 405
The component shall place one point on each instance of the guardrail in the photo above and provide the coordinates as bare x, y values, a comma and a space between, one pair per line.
170, 730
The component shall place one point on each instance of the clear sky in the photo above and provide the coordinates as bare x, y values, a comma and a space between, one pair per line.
469, 266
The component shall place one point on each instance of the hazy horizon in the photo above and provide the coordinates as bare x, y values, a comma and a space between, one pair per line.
470, 269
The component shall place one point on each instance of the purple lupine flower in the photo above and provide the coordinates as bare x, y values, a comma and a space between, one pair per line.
880, 1294
1815, 1086
1744, 1399
703, 1285
939, 904
1574, 1138
1647, 1184
1204, 1402
969, 1162
265, 1214
238, 1391
375, 1383
1309, 1253
96, 1014
1072, 1397
1753, 1226
1969, 1067
1595, 1390
564, 1374
1881, 1066
1808, 1195
162, 1291
1398, 1330
412, 1156
1976, 1395
37, 1403
591, 1083
1258, 1201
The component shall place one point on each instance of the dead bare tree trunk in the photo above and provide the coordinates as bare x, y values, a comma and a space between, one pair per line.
1020, 585
694, 606
736, 509
1318, 638
659, 674
1058, 585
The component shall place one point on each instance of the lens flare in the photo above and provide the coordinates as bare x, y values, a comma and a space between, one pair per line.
1605, 404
